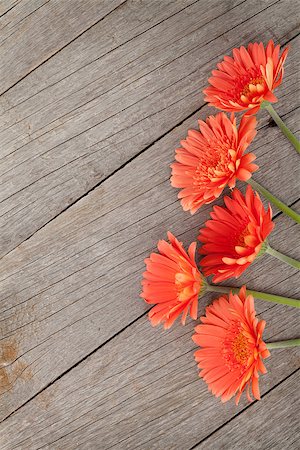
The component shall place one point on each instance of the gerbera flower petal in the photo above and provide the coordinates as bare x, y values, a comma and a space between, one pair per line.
231, 353
246, 80
173, 282
213, 158
234, 237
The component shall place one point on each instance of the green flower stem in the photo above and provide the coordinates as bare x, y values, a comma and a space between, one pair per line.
284, 344
291, 137
280, 205
261, 295
287, 259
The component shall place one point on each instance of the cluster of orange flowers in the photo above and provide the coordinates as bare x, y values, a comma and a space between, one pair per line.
230, 335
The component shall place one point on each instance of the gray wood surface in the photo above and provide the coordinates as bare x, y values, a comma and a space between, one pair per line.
65, 133
141, 390
34, 31
69, 273
284, 433
97, 96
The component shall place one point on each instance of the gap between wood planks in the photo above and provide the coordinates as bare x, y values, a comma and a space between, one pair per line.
259, 12
75, 365
23, 18
47, 59
98, 184
12, 7
110, 51
246, 20
117, 281
103, 343
243, 410
121, 167
91, 26
124, 43
246, 407
128, 162
114, 336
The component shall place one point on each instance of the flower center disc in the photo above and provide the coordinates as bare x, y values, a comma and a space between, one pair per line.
236, 349
254, 88
240, 349
241, 239
186, 286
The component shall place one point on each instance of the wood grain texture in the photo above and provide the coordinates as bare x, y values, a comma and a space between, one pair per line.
279, 430
33, 31
6, 6
96, 115
75, 283
89, 126
141, 390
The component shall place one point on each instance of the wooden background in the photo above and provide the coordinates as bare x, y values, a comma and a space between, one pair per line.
96, 95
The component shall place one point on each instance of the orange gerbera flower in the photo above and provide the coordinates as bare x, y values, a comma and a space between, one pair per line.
235, 235
232, 347
246, 80
173, 281
213, 158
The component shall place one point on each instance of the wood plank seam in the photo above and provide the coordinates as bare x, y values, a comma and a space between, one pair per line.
87, 29
19, 375
191, 49
168, 412
110, 51
156, 68
124, 165
141, 428
102, 256
70, 368
111, 174
278, 383
106, 177
99, 123
55, 53
244, 409
12, 7
136, 79
115, 48
149, 250
23, 18
95, 350
84, 308
151, 371
96, 143
101, 287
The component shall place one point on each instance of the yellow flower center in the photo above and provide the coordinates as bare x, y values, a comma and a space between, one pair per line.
217, 163
187, 285
241, 238
240, 349
236, 349
254, 88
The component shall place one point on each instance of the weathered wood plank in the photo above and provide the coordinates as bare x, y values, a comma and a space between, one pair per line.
102, 38
75, 283
32, 32
6, 6
72, 285
108, 111
141, 390
279, 428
